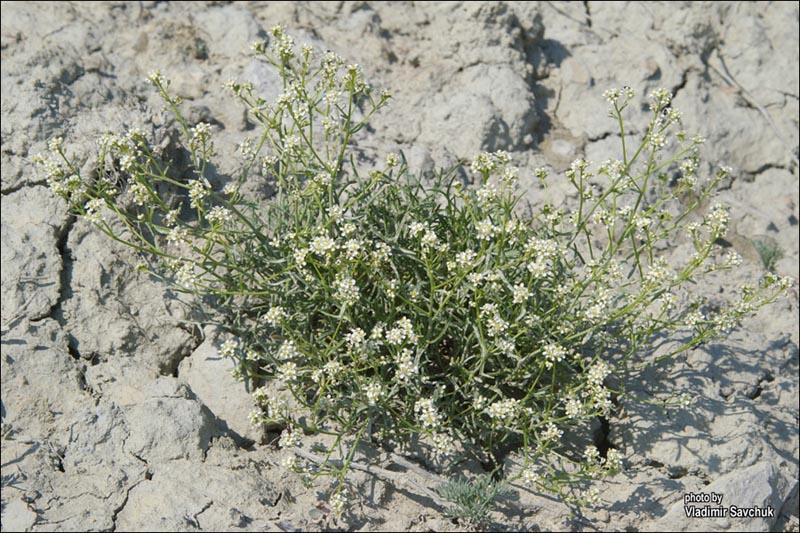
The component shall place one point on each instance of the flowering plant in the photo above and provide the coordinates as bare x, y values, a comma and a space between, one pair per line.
389, 308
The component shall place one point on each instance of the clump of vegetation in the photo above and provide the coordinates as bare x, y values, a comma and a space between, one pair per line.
386, 308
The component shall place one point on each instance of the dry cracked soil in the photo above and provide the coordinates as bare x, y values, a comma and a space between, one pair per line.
117, 415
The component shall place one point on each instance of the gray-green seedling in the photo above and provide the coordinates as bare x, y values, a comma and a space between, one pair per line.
380, 307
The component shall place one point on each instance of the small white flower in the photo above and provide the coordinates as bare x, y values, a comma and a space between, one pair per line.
140, 193
322, 246
219, 215
506, 346
521, 293
530, 476
416, 228
597, 373
465, 258
155, 77
551, 432
333, 370
504, 410
733, 259
197, 191
336, 213
229, 348
287, 372
171, 218
275, 315
553, 353
289, 462
486, 230
186, 276
613, 460
406, 367
256, 417
356, 338
694, 318
591, 454
338, 503
427, 413
289, 438
430, 239
299, 255
538, 268
348, 229
373, 392
93, 208
443, 444
352, 249
717, 219
573, 408
288, 350
346, 290
496, 326
381, 252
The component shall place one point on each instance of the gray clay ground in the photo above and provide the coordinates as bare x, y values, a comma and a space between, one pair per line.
116, 415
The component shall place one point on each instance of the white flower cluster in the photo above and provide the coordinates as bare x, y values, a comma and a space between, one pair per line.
542, 250
197, 191
553, 353
338, 503
93, 208
521, 293
403, 331
486, 230
186, 276
597, 394
229, 348
373, 392
486, 163
530, 476
347, 292
275, 315
659, 99
579, 168
598, 373
201, 140
613, 95
659, 272
289, 438
287, 351
573, 407
495, 325
487, 193
406, 366
613, 460
355, 339
443, 444
427, 413
597, 310
322, 246
504, 411
156, 78
381, 252
287, 372
717, 220
139, 192
219, 215
333, 370
465, 259
280, 43
429, 238
592, 455
551, 432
